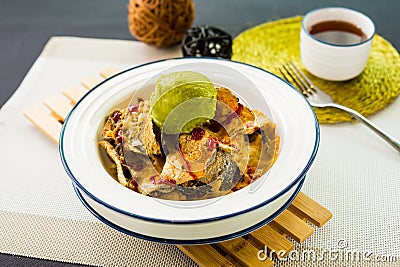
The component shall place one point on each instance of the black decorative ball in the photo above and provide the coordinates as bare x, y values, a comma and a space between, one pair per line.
207, 41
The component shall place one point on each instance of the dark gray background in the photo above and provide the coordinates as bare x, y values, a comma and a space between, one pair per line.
26, 26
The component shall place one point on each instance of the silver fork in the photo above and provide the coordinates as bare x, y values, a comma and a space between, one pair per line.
318, 98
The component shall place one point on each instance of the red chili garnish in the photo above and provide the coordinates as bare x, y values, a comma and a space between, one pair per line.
157, 180
250, 124
234, 146
197, 133
133, 185
194, 176
153, 179
187, 164
133, 182
119, 136
250, 171
116, 116
212, 143
239, 109
168, 181
133, 108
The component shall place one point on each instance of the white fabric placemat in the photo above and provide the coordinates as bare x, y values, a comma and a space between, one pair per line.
355, 175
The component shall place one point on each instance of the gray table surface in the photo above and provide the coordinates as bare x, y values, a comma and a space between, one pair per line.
26, 26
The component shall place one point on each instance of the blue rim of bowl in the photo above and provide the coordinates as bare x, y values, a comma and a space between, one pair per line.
337, 45
195, 241
145, 218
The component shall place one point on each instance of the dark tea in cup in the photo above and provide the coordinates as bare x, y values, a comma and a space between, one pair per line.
338, 32
335, 42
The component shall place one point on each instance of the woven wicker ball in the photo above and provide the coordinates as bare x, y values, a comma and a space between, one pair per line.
161, 23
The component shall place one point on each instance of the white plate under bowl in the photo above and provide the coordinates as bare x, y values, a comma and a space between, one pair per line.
296, 125
197, 233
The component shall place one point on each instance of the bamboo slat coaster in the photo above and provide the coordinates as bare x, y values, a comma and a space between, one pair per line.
242, 251
74, 93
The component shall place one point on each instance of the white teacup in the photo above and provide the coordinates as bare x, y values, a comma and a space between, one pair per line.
336, 52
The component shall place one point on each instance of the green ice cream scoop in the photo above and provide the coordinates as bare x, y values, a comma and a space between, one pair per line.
182, 101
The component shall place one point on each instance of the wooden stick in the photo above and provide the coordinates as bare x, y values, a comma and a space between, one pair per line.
74, 93
290, 224
268, 236
44, 121
60, 107
91, 82
244, 252
108, 72
308, 209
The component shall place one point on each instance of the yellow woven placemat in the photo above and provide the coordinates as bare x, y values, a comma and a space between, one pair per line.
270, 45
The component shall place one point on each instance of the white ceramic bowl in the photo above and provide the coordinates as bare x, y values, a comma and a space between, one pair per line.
195, 233
330, 61
214, 219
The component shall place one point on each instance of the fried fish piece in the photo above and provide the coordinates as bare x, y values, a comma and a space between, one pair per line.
236, 117
222, 173
113, 124
225, 95
144, 170
249, 120
263, 150
138, 131
220, 177
112, 153
175, 169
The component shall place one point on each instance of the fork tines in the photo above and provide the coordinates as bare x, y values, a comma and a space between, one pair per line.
293, 74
